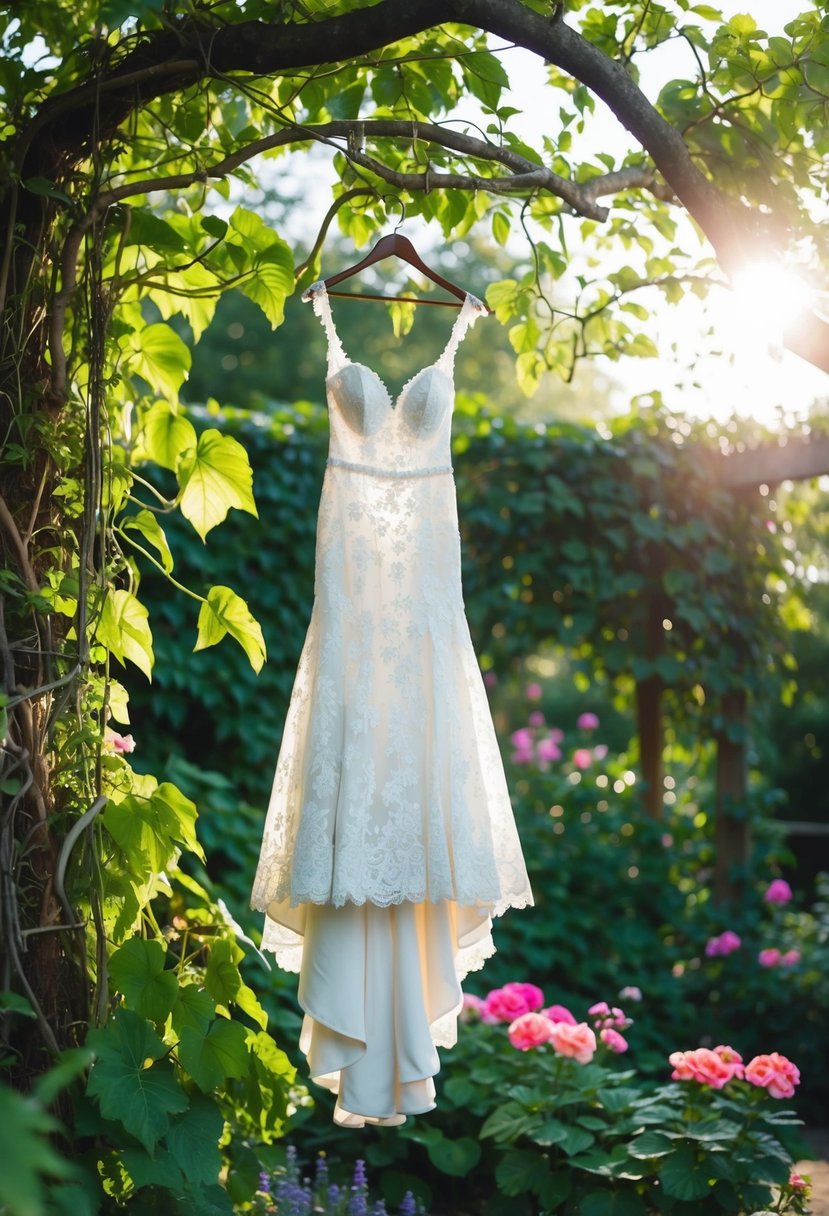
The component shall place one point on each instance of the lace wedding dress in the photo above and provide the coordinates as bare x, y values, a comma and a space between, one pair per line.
389, 842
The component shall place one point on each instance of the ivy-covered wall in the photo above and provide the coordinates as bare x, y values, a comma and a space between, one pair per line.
621, 548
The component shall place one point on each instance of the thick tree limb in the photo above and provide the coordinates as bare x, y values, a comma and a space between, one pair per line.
198, 50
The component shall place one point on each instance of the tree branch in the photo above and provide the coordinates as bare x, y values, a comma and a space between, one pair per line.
199, 50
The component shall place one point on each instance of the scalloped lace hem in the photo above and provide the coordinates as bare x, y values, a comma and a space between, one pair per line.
496, 903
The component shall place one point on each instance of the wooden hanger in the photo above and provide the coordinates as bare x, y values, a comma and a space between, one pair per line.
399, 246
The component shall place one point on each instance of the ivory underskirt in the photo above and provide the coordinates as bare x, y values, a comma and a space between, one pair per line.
380, 988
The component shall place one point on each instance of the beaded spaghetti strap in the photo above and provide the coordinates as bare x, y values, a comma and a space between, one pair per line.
318, 295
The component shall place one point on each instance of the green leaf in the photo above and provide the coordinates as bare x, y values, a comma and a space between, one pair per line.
150, 1171
500, 227
137, 969
147, 524
650, 1144
42, 185
454, 1157
225, 612
146, 228
618, 1099
681, 1177
271, 279
124, 629
521, 1170
176, 815
194, 1007
222, 977
612, 1203
508, 1122
165, 435
129, 1086
193, 1140
158, 354
26, 1154
214, 477
212, 1058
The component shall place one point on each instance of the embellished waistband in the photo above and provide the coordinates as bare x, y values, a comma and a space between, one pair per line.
353, 467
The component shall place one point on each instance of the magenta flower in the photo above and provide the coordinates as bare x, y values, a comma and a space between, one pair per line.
601, 1007
504, 1005
530, 993
122, 744
555, 734
473, 1006
726, 943
582, 757
778, 892
612, 1039
587, 721
533, 692
522, 739
536, 718
559, 1013
790, 958
548, 749
769, 957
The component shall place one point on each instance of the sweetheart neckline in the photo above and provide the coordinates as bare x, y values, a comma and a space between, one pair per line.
393, 402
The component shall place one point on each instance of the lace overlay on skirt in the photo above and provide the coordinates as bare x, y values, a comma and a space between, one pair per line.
389, 842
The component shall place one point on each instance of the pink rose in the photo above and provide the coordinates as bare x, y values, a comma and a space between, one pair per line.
774, 1073
726, 943
798, 1183
533, 692
536, 718
531, 993
530, 1030
778, 892
587, 721
582, 757
612, 1039
578, 1042
501, 1005
769, 957
522, 739
599, 1007
559, 1013
790, 958
701, 1065
630, 993
548, 749
732, 1058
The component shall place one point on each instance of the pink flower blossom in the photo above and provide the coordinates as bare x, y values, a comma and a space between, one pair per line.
587, 721
530, 1030
119, 743
612, 1039
472, 1006
548, 749
490, 679
798, 1183
790, 958
775, 1073
732, 1058
769, 957
600, 751
702, 1065
530, 993
536, 718
578, 1042
778, 892
727, 942
599, 1008
556, 734
533, 692
559, 1013
502, 1005
582, 757
630, 993
522, 739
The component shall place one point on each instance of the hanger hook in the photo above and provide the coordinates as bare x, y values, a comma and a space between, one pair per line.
398, 202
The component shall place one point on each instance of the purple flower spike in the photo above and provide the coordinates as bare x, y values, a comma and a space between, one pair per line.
408, 1206
359, 1174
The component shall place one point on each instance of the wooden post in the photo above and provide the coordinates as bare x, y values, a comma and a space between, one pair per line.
732, 836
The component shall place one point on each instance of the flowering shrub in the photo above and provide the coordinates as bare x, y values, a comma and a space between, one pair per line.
572, 1130
288, 1194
